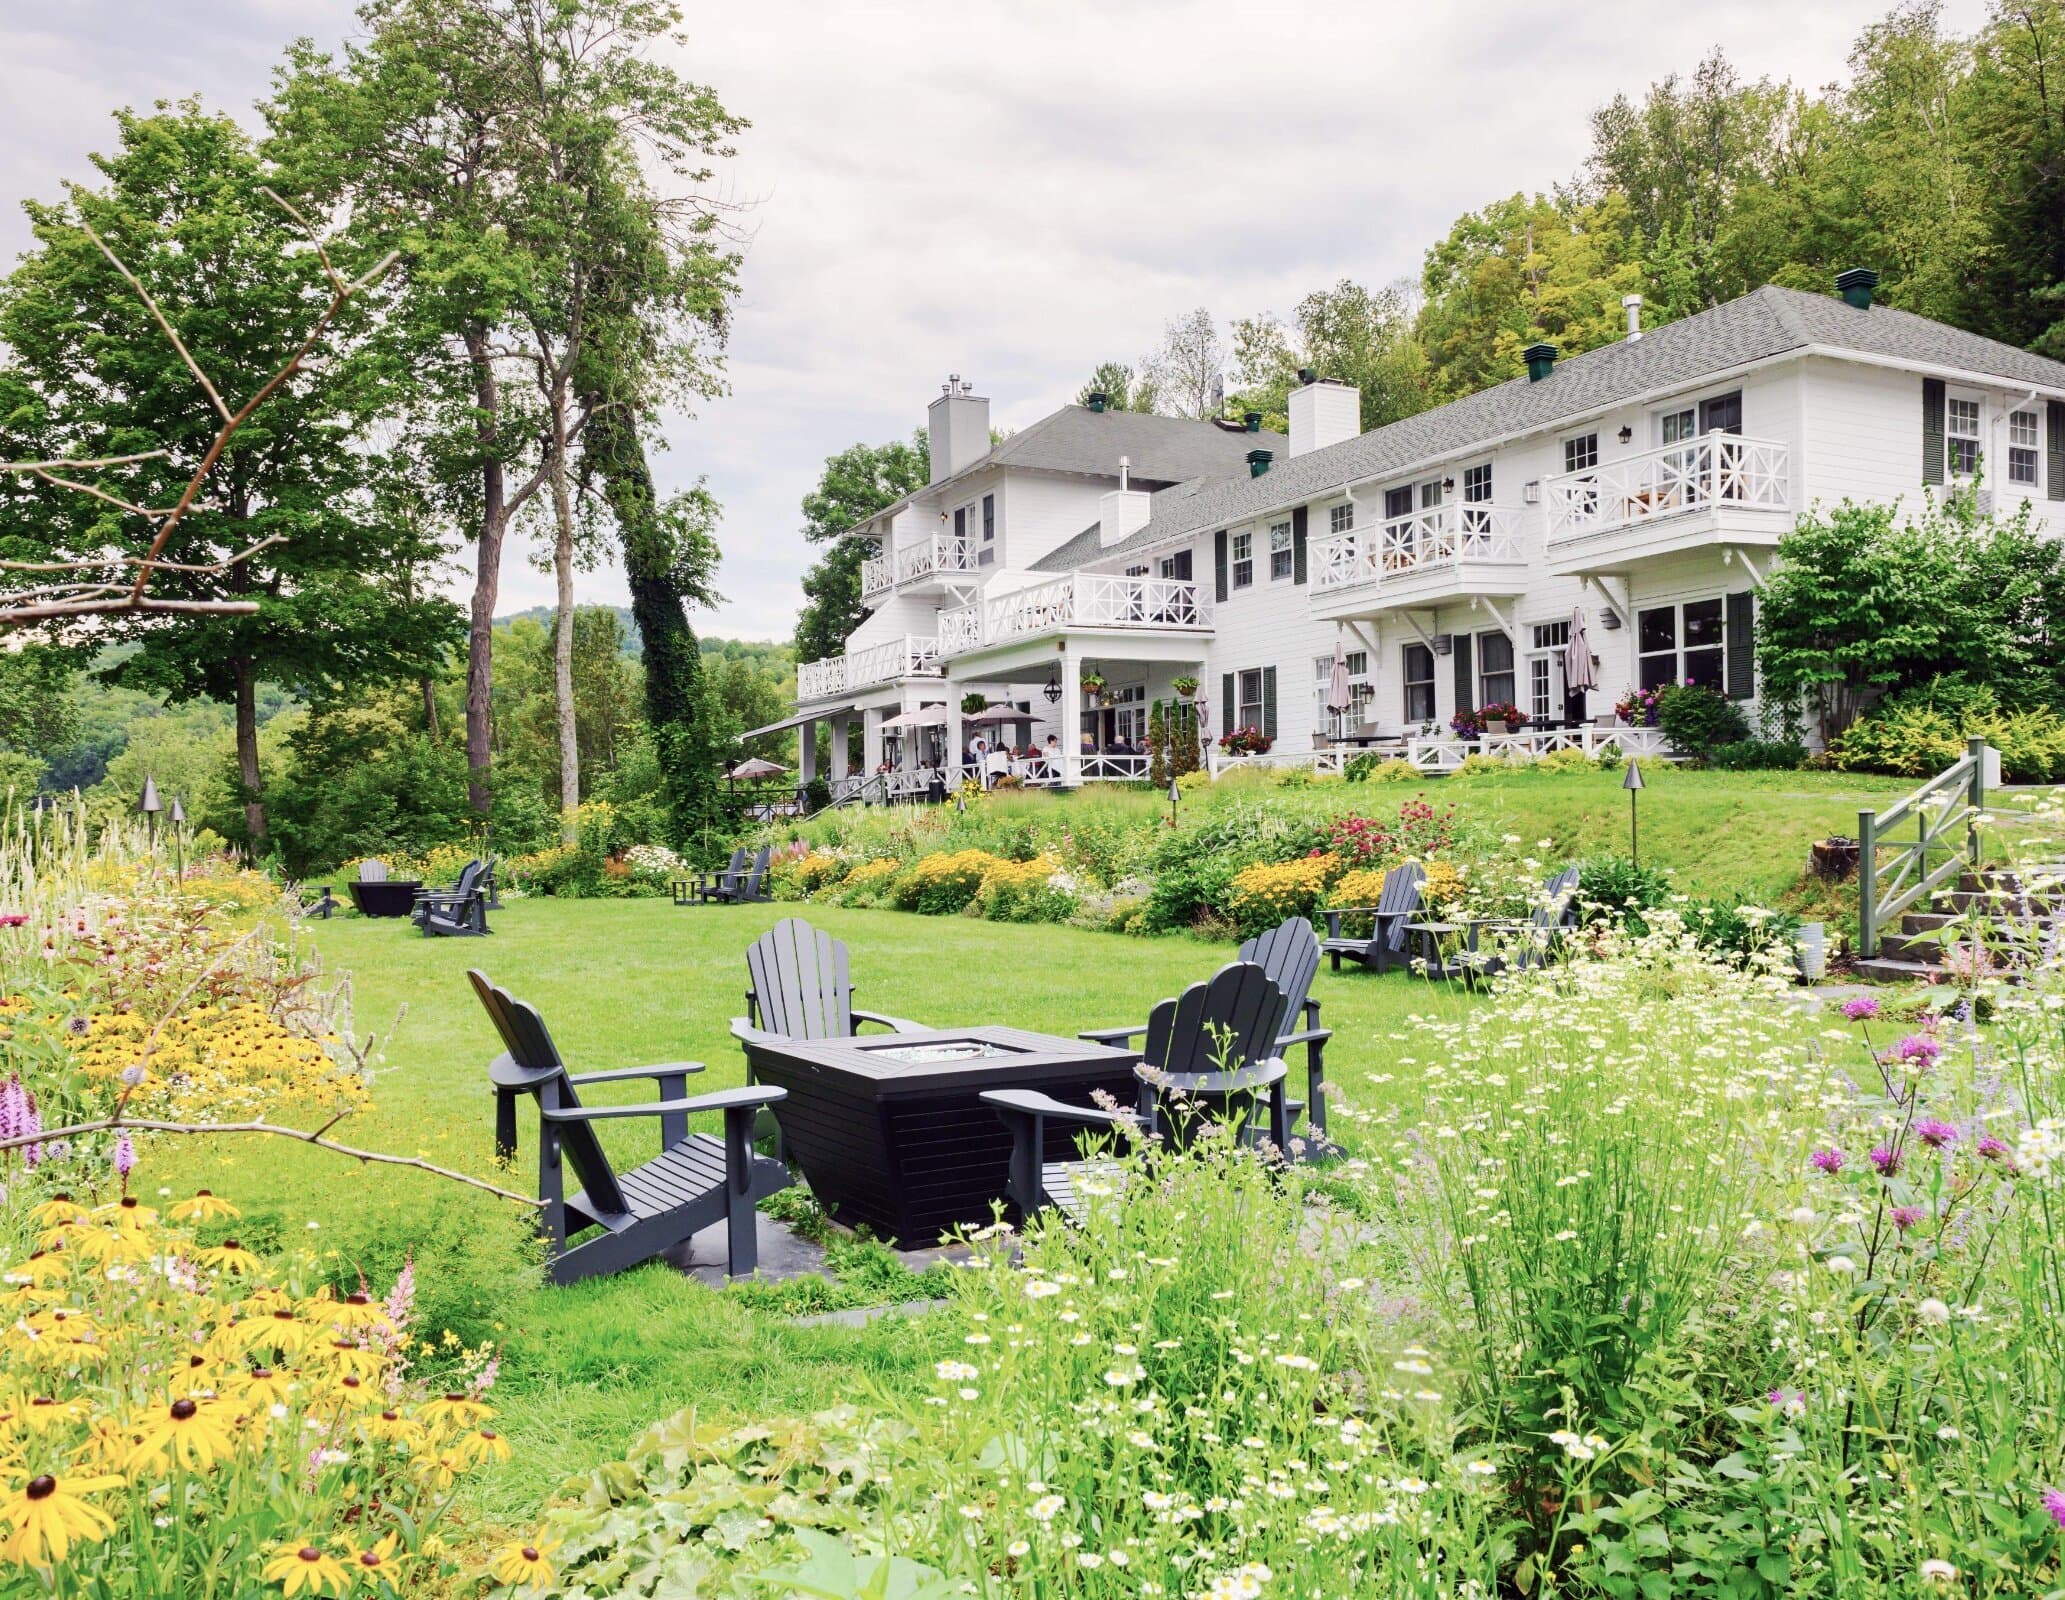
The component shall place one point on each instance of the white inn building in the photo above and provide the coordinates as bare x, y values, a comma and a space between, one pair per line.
1642, 486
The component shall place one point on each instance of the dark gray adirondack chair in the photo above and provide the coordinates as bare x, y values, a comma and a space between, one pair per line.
742, 890
1397, 904
460, 911
1289, 954
696, 1180
799, 985
323, 904
705, 883
1213, 1046
1523, 942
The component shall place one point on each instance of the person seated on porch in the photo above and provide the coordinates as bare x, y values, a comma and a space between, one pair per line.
996, 765
1089, 743
1119, 747
1053, 750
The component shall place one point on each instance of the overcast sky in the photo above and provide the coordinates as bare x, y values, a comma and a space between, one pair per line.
1011, 192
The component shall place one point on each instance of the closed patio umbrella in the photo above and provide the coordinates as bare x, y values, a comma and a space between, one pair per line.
1578, 673
1337, 682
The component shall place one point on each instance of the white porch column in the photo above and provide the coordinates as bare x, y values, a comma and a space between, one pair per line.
953, 734
806, 753
1072, 716
842, 756
871, 738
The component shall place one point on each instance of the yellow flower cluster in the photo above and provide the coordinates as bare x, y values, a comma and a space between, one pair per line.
870, 874
1362, 887
143, 1369
1270, 890
1445, 885
954, 867
813, 871
221, 1060
1014, 876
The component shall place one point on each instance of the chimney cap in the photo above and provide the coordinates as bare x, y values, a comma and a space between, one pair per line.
1252, 421
1855, 285
1541, 360
1629, 300
1307, 375
1258, 462
1099, 399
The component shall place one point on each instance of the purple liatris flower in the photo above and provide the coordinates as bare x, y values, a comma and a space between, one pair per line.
125, 1156
1886, 1159
2054, 1503
1829, 1161
1905, 1217
1935, 1133
19, 1118
1863, 1007
401, 1299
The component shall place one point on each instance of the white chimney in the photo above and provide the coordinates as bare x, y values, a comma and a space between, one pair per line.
1324, 412
1120, 512
957, 428
1632, 305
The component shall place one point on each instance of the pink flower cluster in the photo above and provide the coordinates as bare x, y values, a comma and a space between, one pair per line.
20, 1118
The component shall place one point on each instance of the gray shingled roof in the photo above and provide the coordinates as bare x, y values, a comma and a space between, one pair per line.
1767, 322
1169, 450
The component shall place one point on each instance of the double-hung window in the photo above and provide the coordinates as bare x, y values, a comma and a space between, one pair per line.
1476, 512
1247, 709
1243, 560
1341, 518
1582, 453
1419, 684
989, 531
1279, 551
1360, 689
1961, 432
2022, 456
1495, 684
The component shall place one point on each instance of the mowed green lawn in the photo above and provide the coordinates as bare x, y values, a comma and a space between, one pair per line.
623, 983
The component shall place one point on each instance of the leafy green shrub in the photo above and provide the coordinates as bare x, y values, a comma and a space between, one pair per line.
1188, 891
1620, 890
1919, 733
1737, 929
1696, 719
1369, 767
1568, 760
1758, 755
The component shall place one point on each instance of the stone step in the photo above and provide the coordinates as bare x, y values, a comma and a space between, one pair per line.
2001, 905
1894, 969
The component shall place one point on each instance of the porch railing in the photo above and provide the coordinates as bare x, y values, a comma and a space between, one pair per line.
1722, 469
912, 656
877, 574
1440, 754
940, 553
1080, 600
1892, 874
1440, 536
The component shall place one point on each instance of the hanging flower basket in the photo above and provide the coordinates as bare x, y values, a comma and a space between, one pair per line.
1186, 686
1093, 683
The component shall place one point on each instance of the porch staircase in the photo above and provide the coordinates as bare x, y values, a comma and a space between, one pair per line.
2025, 912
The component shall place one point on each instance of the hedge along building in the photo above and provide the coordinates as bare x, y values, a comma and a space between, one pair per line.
1645, 483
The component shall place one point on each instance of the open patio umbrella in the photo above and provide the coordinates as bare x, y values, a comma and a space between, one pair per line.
996, 716
758, 767
1337, 682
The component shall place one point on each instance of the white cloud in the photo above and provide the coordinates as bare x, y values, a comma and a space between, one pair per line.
1009, 192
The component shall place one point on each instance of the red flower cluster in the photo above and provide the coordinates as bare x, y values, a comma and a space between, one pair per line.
1419, 831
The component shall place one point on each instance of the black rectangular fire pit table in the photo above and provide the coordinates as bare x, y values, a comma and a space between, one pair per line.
889, 1130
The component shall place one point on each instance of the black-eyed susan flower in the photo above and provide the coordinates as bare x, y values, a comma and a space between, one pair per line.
261, 1387
56, 1211
455, 1410
525, 1565
186, 1433
229, 1256
391, 1427
376, 1561
48, 1515
481, 1444
307, 1569
353, 1312
203, 1207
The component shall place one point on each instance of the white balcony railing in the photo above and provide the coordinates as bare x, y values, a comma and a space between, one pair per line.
1443, 536
1720, 470
1080, 600
942, 553
908, 657
877, 575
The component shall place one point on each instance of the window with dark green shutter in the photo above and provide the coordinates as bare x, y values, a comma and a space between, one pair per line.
1219, 566
1269, 701
1298, 545
1466, 685
2054, 447
1932, 430
1742, 645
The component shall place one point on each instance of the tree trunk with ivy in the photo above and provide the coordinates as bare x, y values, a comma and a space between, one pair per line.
662, 583
1159, 751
